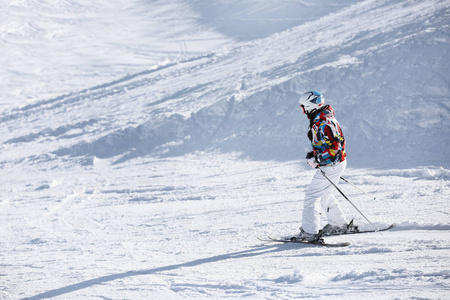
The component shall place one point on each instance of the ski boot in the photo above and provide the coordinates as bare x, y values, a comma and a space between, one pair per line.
337, 230
309, 237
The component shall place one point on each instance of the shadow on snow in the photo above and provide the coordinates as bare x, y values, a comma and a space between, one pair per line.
256, 251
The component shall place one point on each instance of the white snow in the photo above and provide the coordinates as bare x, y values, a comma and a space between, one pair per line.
145, 145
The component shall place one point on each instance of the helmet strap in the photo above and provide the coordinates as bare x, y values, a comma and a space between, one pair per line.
312, 114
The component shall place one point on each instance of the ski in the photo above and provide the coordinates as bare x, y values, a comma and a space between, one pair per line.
321, 242
362, 231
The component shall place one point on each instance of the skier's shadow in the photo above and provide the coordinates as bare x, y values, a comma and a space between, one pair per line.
255, 251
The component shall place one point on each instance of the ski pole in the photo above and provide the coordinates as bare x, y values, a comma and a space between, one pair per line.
369, 195
325, 175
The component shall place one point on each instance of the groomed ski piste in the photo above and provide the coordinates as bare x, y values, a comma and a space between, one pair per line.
145, 145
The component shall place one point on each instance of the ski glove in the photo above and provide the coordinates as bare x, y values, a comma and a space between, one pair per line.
312, 162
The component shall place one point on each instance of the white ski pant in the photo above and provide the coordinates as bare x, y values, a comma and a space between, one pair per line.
320, 198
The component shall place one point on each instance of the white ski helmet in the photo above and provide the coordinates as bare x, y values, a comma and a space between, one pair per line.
311, 101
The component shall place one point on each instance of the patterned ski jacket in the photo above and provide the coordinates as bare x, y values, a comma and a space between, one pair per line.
327, 138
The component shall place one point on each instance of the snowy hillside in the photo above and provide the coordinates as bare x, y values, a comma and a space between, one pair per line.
383, 67
146, 144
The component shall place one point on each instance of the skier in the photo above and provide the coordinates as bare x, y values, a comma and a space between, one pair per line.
328, 153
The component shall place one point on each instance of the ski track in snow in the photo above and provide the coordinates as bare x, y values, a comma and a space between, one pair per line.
155, 182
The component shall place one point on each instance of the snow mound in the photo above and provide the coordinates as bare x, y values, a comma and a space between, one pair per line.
432, 173
421, 226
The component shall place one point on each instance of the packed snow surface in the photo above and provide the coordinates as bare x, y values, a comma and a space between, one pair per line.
145, 145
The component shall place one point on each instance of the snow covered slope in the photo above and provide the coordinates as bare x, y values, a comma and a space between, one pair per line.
248, 20
144, 145
51, 47
382, 65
